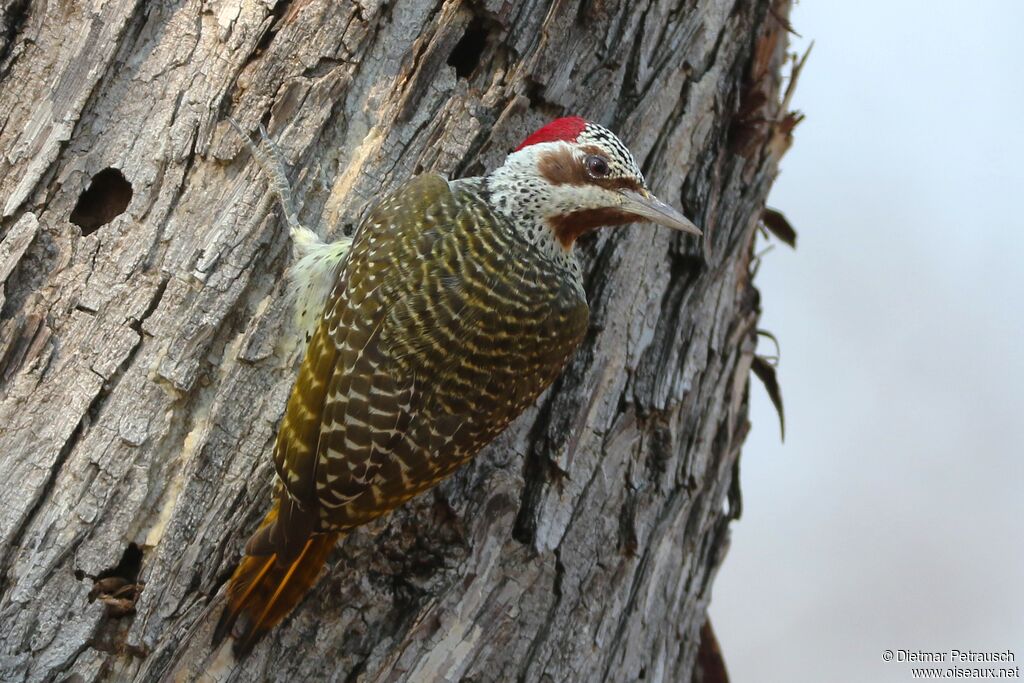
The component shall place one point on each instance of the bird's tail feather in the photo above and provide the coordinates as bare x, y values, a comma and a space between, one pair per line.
264, 590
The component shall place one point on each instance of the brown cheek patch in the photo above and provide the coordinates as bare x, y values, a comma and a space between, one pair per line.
570, 226
561, 167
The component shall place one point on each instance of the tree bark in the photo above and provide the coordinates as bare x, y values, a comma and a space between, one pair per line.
146, 355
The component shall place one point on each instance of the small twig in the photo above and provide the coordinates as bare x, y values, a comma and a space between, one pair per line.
784, 21
794, 76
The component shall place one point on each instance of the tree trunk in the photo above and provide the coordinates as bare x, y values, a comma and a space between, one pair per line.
146, 351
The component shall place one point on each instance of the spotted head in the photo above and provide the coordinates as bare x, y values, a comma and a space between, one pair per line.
572, 176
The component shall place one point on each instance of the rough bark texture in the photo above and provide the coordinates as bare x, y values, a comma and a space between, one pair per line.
145, 361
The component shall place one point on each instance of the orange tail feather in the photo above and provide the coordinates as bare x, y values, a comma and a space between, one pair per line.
263, 591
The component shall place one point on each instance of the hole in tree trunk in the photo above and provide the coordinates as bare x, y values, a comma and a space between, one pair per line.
105, 199
118, 588
465, 56
129, 565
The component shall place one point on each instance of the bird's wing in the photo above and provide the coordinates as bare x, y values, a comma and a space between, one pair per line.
295, 454
351, 401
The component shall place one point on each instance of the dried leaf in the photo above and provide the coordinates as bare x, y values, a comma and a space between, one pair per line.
774, 360
710, 666
777, 224
789, 122
107, 586
117, 607
765, 372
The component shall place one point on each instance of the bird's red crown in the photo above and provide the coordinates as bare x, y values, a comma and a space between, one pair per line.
566, 129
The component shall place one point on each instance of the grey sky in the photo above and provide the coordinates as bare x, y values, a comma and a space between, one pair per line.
893, 517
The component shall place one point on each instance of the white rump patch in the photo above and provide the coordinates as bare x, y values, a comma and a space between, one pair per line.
313, 275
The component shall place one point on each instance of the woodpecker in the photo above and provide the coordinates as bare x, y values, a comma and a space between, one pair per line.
455, 305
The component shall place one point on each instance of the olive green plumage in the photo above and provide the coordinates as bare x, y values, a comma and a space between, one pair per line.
443, 327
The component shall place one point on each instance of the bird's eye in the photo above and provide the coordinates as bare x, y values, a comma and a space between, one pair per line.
597, 167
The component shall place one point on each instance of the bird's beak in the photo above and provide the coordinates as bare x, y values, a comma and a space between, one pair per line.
646, 205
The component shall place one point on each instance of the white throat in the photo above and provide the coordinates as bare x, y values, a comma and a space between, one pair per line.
521, 195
